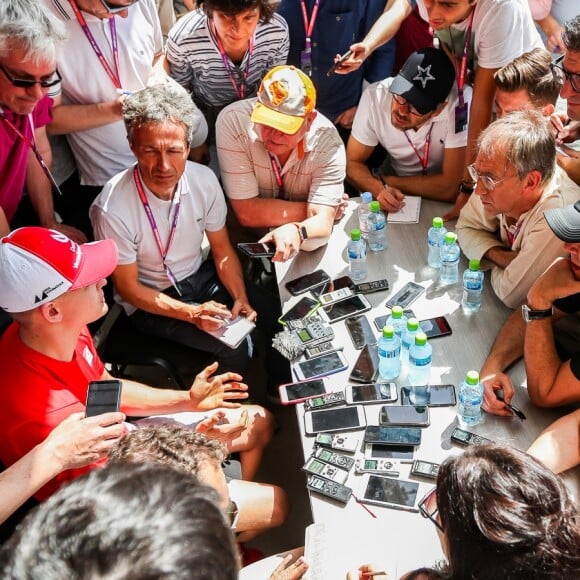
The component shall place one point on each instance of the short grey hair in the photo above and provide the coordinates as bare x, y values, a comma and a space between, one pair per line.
571, 34
524, 140
28, 25
158, 104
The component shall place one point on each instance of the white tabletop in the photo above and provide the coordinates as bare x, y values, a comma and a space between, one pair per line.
404, 260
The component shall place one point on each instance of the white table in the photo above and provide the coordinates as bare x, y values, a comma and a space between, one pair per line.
410, 538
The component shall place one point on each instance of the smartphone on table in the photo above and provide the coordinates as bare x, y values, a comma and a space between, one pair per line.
304, 308
435, 327
360, 331
348, 418
352, 306
404, 416
437, 396
403, 453
366, 367
293, 393
320, 366
373, 393
307, 282
392, 435
103, 397
406, 295
392, 493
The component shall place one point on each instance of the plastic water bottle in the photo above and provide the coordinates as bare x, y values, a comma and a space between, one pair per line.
450, 252
470, 399
357, 256
377, 228
409, 338
363, 212
389, 354
435, 237
472, 287
397, 320
420, 360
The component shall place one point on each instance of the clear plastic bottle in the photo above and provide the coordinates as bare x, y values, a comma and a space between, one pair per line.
357, 256
377, 228
397, 320
408, 338
363, 212
472, 287
435, 237
420, 360
450, 252
389, 353
470, 398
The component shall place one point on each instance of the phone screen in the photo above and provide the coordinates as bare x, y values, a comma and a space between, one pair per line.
391, 491
367, 393
345, 308
378, 451
366, 366
304, 389
103, 397
380, 321
321, 365
338, 419
405, 415
304, 283
435, 327
437, 395
360, 331
300, 310
342, 282
393, 435
257, 249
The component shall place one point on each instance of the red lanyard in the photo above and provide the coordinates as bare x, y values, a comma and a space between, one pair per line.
155, 229
309, 23
278, 176
32, 144
425, 159
463, 67
113, 75
511, 237
241, 90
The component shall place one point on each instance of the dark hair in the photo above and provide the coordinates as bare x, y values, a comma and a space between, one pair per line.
267, 8
506, 515
530, 72
571, 34
131, 522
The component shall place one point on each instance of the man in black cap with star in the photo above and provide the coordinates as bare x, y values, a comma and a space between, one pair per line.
412, 116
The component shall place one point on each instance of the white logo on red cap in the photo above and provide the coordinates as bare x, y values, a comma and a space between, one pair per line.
424, 75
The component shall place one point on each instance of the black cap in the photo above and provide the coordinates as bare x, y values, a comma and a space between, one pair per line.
565, 222
425, 79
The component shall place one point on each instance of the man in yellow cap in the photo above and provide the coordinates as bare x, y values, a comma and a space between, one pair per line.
282, 163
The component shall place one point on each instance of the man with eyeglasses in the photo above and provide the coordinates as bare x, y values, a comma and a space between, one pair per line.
516, 179
29, 39
412, 117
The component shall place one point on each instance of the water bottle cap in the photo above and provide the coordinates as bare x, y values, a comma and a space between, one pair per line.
450, 238
367, 197
437, 222
375, 206
412, 324
420, 339
474, 265
472, 377
355, 235
397, 312
388, 331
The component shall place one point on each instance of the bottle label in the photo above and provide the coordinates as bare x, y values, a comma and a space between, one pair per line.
377, 226
420, 362
390, 353
472, 285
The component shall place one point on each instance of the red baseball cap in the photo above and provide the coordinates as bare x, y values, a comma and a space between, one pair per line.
38, 265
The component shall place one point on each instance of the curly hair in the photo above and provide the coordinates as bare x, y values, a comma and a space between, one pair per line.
267, 8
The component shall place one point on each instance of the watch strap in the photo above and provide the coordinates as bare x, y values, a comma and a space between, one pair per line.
528, 314
302, 231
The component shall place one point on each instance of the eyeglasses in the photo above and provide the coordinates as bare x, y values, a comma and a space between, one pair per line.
113, 9
402, 101
488, 182
428, 508
560, 72
29, 83
232, 512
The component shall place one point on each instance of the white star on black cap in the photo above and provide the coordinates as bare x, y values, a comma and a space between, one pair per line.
424, 75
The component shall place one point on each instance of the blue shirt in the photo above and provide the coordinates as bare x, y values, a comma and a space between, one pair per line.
339, 24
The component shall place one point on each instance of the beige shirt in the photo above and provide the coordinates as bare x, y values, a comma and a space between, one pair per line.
537, 245
246, 168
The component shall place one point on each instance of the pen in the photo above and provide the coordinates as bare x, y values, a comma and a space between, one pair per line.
373, 574
364, 506
517, 412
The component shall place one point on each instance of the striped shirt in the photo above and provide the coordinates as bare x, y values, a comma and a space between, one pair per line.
195, 61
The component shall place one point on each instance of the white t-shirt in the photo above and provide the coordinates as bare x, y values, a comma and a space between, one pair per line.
118, 213
102, 152
502, 30
372, 125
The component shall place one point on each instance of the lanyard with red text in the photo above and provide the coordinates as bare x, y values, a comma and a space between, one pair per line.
278, 176
306, 54
113, 75
32, 144
241, 90
155, 229
463, 67
425, 159
511, 236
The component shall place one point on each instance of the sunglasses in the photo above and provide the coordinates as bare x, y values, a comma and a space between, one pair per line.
402, 102
428, 508
561, 73
113, 9
29, 83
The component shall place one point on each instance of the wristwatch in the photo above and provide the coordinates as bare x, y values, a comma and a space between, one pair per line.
528, 314
466, 188
302, 231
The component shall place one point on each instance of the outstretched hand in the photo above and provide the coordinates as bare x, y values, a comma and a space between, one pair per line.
209, 392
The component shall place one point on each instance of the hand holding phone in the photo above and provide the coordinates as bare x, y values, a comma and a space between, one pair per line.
103, 397
257, 249
338, 62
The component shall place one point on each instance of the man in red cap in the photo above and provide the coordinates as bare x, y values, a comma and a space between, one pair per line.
53, 288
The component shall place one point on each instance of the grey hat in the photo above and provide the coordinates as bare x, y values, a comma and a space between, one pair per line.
565, 222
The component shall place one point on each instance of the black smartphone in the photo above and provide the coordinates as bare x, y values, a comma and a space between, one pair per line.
360, 331
257, 249
304, 308
307, 282
392, 435
342, 282
393, 493
335, 419
103, 397
346, 308
435, 327
405, 416
380, 321
366, 367
404, 453
437, 396
337, 64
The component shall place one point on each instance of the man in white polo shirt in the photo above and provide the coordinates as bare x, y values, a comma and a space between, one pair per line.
412, 117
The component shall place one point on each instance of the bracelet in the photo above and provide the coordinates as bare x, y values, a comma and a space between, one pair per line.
466, 189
